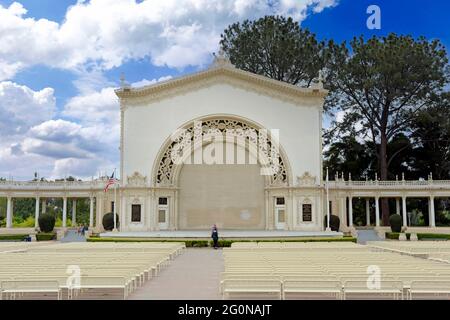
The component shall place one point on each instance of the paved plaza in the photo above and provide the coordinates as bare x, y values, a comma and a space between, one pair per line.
194, 275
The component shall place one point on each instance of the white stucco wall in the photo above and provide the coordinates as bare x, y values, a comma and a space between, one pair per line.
147, 127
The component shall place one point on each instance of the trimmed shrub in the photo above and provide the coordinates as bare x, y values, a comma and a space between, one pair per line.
13, 237
108, 221
46, 222
222, 243
44, 236
395, 221
335, 222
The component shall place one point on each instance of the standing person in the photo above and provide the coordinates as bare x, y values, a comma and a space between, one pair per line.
215, 236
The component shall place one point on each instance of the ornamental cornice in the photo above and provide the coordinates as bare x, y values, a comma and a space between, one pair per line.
216, 75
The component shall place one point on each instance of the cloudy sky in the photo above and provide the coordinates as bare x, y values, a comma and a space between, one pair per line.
60, 61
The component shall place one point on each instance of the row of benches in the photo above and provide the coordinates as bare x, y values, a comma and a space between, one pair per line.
74, 269
353, 270
337, 289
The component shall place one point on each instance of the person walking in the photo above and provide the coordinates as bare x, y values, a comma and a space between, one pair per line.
215, 236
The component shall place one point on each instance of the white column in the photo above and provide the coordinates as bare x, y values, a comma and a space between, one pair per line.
64, 213
350, 211
91, 213
377, 211
342, 210
36, 213
432, 213
405, 220
397, 206
367, 212
44, 205
9, 213
74, 212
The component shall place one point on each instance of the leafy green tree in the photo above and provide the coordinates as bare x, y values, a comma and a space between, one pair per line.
431, 134
349, 156
381, 85
275, 47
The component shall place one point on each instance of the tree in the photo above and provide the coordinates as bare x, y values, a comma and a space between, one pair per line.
431, 134
275, 47
381, 85
349, 156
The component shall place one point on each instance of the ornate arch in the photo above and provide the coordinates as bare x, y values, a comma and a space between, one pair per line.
165, 171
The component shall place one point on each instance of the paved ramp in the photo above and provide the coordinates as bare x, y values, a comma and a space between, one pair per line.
194, 275
73, 236
367, 235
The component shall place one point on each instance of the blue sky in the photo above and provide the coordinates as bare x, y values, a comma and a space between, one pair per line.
59, 65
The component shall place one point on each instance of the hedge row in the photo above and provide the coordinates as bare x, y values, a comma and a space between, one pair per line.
222, 243
420, 236
13, 237
42, 236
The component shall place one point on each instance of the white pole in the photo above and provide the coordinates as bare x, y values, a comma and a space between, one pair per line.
115, 206
328, 206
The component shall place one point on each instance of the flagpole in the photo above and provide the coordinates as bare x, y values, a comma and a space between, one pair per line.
115, 204
328, 205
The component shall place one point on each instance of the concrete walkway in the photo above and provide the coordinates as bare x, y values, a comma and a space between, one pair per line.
73, 236
194, 275
367, 235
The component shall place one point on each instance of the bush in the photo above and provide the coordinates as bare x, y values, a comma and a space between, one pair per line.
108, 221
46, 222
13, 237
395, 221
222, 243
335, 222
27, 223
43, 236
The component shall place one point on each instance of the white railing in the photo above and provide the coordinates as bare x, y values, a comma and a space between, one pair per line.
99, 184
395, 184
52, 185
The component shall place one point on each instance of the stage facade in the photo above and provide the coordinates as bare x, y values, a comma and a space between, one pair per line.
222, 146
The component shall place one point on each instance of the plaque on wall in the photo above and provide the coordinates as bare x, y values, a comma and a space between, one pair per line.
136, 213
307, 212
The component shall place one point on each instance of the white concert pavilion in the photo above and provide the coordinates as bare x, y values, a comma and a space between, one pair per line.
169, 135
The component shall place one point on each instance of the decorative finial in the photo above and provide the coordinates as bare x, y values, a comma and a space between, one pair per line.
123, 82
376, 176
349, 176
318, 84
431, 176
403, 176
220, 59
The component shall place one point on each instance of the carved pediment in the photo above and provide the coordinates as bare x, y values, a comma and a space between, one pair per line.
306, 179
137, 180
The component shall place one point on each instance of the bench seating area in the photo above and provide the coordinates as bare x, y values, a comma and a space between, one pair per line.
422, 249
329, 271
82, 270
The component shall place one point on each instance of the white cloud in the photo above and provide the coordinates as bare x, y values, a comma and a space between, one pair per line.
106, 33
88, 139
22, 107
98, 106
145, 82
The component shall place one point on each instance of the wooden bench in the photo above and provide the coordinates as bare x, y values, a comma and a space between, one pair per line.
327, 287
429, 288
360, 288
231, 286
11, 288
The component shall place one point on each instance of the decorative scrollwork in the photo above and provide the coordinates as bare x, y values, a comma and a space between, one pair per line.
306, 180
137, 180
166, 168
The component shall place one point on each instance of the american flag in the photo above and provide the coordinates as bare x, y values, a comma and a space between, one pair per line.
110, 182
